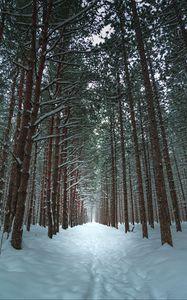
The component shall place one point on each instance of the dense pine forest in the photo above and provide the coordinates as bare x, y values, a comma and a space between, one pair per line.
93, 149
93, 115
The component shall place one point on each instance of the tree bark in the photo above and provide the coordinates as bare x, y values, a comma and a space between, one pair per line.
166, 155
65, 178
49, 177
147, 176
10, 201
22, 192
133, 122
113, 199
123, 160
33, 186
6, 141
161, 195
55, 173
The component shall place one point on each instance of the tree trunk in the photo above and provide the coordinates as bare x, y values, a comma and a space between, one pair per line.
161, 195
33, 186
147, 177
131, 195
133, 122
65, 178
49, 177
22, 193
123, 160
10, 201
181, 185
166, 156
25, 121
113, 200
6, 141
42, 220
55, 172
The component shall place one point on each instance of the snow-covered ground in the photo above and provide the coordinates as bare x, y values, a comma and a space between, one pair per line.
95, 262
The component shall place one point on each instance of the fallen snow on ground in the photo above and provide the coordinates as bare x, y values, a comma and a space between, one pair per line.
95, 262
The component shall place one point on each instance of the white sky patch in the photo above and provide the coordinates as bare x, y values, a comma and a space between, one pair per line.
100, 38
96, 132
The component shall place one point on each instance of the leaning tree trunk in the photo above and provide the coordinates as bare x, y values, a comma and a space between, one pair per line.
10, 207
22, 192
161, 193
25, 122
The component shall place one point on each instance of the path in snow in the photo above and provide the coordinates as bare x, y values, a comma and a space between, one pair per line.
94, 262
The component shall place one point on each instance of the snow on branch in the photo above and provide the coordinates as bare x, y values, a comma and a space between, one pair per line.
58, 109
74, 184
49, 84
72, 171
70, 137
57, 100
70, 163
37, 139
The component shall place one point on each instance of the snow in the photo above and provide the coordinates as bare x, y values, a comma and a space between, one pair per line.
94, 261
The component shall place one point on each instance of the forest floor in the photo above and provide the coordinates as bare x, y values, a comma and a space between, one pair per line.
94, 261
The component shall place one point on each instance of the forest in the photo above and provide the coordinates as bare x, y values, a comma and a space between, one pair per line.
93, 120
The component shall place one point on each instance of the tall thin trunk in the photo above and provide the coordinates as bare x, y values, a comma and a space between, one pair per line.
42, 220
22, 192
49, 177
147, 177
123, 160
65, 179
55, 172
33, 186
180, 183
10, 201
115, 175
25, 120
161, 194
6, 141
120, 11
131, 194
113, 200
166, 156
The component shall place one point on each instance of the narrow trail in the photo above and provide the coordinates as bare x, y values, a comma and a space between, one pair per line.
91, 262
112, 273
